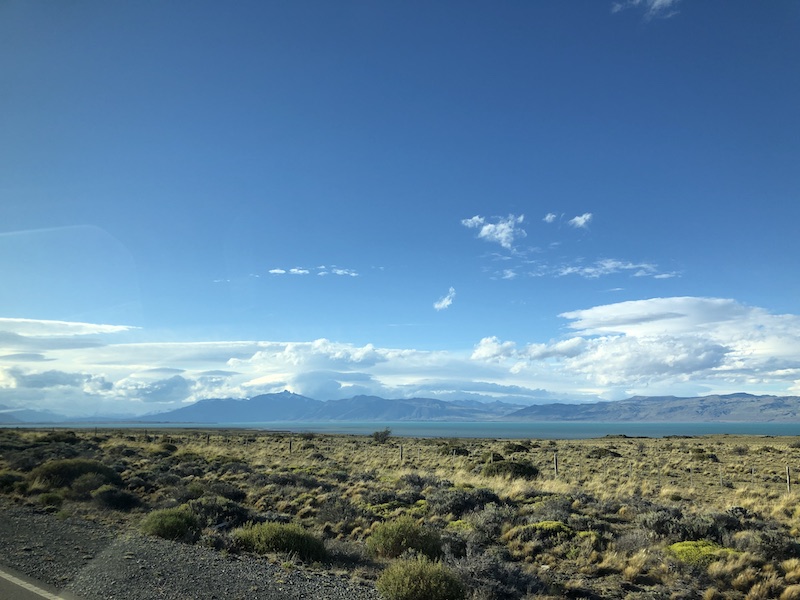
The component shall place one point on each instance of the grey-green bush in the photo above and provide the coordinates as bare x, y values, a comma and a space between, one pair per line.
419, 579
506, 468
108, 496
391, 538
172, 524
280, 537
63, 472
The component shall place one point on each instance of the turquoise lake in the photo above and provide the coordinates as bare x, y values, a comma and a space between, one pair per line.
483, 429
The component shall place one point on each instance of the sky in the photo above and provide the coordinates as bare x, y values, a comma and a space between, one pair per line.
518, 201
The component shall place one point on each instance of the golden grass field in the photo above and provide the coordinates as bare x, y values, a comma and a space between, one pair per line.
710, 517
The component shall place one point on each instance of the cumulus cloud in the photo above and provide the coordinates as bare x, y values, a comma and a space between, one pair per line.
492, 349
653, 9
638, 345
277, 271
320, 354
445, 301
171, 390
47, 379
550, 217
658, 345
500, 230
580, 221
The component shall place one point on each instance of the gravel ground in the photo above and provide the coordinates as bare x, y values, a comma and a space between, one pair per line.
95, 563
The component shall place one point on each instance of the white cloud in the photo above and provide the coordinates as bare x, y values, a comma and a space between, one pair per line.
550, 217
445, 301
671, 345
492, 349
321, 270
654, 9
609, 266
662, 342
581, 221
35, 328
501, 230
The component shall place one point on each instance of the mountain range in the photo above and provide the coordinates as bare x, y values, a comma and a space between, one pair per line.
286, 406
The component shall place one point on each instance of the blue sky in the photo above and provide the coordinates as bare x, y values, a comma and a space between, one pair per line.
517, 200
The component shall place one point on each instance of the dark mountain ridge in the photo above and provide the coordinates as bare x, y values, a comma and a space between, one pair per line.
732, 408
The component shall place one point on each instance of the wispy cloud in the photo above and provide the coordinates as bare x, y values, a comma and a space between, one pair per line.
501, 230
445, 301
344, 272
653, 9
321, 270
610, 266
508, 274
581, 221
534, 261
34, 327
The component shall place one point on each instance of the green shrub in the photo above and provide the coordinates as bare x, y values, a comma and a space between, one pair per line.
108, 496
458, 501
83, 486
419, 579
172, 524
263, 538
65, 437
453, 448
9, 480
490, 457
514, 447
698, 553
602, 453
51, 499
541, 530
63, 472
391, 538
213, 511
506, 468
227, 490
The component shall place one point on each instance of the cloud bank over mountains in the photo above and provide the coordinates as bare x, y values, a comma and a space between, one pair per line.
677, 345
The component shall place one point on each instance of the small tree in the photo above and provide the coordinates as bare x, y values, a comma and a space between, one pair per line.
381, 437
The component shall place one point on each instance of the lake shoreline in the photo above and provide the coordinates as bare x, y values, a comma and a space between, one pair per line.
548, 430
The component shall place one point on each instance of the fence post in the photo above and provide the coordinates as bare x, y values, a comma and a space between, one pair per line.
555, 463
788, 481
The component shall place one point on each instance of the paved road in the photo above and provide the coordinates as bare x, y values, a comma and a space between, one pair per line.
15, 586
